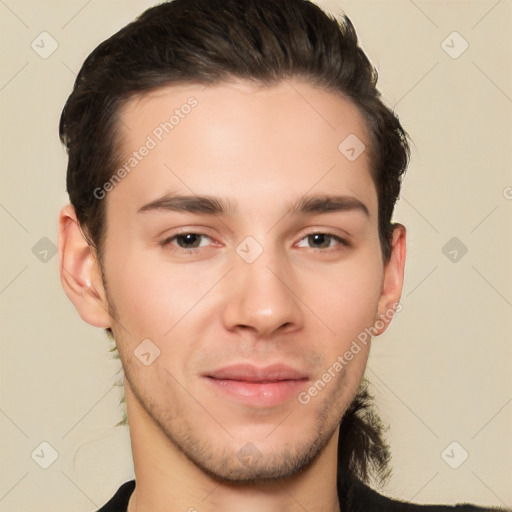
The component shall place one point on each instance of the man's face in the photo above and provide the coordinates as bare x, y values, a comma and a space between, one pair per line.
250, 306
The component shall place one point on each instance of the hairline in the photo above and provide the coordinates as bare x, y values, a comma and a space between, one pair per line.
117, 134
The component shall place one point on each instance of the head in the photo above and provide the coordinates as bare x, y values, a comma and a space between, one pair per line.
281, 249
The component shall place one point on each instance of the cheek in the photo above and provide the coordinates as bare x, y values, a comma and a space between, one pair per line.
346, 299
153, 305
152, 297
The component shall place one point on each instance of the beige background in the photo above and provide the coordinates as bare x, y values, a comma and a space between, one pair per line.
441, 373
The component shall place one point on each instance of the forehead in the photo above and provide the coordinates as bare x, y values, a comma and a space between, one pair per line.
241, 141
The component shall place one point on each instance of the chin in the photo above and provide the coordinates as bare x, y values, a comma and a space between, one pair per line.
258, 468
258, 462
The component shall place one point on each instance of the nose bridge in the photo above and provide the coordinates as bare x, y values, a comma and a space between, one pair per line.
260, 293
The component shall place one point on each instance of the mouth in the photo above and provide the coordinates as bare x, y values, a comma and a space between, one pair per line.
255, 386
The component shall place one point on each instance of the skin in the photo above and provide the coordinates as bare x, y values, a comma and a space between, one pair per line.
301, 302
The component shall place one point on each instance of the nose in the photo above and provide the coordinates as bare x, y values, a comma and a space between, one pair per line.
262, 298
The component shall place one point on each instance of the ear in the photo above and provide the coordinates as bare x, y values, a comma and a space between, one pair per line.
393, 280
80, 272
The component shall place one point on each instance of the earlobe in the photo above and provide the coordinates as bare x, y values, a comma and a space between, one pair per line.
392, 281
80, 273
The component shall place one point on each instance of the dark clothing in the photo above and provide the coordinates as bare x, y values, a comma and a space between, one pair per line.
358, 497
119, 503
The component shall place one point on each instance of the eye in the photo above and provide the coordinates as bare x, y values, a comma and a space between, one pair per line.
188, 240
321, 241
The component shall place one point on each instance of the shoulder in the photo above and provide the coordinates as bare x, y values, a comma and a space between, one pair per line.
364, 498
360, 498
119, 502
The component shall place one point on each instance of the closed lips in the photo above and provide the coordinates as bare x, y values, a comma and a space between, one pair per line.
251, 373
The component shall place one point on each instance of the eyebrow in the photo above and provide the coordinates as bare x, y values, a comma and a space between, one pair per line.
192, 204
326, 203
209, 205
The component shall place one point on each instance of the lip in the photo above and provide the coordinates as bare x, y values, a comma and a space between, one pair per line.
258, 386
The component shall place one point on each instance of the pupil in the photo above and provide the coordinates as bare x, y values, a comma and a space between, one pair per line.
188, 240
319, 239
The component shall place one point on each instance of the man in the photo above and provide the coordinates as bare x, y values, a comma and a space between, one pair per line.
232, 177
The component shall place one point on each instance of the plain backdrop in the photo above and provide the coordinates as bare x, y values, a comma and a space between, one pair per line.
442, 372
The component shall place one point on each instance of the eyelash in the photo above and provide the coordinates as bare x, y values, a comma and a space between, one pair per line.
340, 241
168, 241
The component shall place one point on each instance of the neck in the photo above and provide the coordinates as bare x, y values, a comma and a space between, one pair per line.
167, 480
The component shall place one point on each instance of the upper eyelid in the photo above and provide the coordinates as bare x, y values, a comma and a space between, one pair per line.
169, 238
344, 239
328, 232
339, 238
